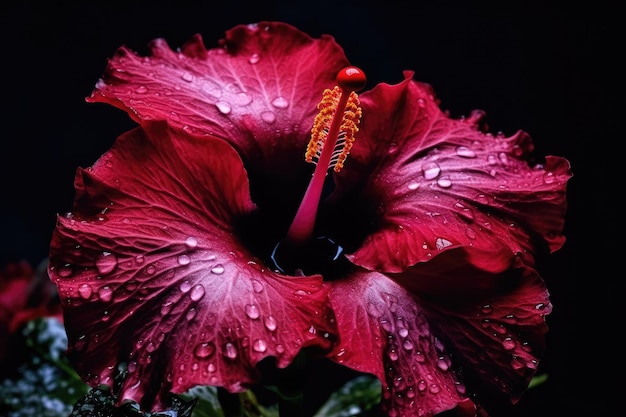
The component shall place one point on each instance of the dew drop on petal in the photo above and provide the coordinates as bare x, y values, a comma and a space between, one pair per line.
465, 152
252, 311
105, 293
434, 388
188, 77
197, 292
85, 291
280, 103
223, 107
191, 314
106, 262
257, 286
431, 170
218, 269
204, 350
442, 243
230, 351
442, 363
66, 271
150, 269
413, 185
259, 345
191, 242
508, 343
141, 89
421, 385
185, 286
268, 116
184, 260
444, 182
254, 58
270, 323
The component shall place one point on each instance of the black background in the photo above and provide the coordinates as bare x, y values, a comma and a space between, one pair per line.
541, 68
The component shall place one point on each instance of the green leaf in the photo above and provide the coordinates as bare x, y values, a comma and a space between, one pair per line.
354, 398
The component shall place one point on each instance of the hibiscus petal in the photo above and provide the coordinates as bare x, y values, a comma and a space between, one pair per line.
434, 184
498, 339
258, 90
386, 333
152, 275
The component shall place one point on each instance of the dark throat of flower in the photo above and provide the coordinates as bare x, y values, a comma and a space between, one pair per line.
332, 136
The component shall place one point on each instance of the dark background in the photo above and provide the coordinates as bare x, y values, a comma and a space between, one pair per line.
541, 68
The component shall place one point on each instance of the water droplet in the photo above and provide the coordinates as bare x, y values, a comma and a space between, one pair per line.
254, 58
508, 343
184, 260
252, 311
188, 77
434, 388
270, 323
465, 152
185, 286
191, 314
204, 350
442, 363
85, 291
105, 293
442, 243
243, 99
393, 355
486, 309
197, 292
413, 185
223, 107
421, 385
431, 170
280, 103
230, 351
150, 269
80, 343
191, 242
386, 325
268, 116
259, 345
218, 269
141, 89
106, 262
444, 182
257, 286
211, 367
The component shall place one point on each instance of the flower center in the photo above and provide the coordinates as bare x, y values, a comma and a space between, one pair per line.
332, 136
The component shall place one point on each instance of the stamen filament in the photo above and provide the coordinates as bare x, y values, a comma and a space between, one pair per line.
349, 80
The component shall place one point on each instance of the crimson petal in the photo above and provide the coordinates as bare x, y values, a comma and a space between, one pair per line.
259, 90
435, 184
385, 332
152, 275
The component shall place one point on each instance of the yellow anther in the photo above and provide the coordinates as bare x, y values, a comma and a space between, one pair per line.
350, 118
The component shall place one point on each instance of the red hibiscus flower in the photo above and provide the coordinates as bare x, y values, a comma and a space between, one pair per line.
25, 294
184, 260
